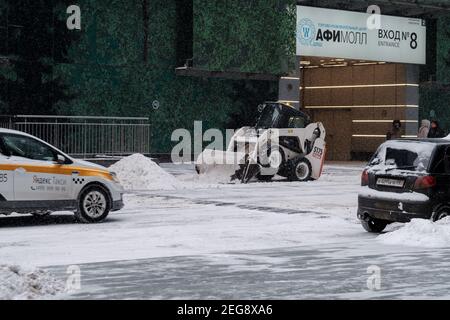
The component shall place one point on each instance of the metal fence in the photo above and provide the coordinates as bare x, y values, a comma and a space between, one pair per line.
86, 137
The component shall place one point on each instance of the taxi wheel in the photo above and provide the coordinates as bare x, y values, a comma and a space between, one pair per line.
94, 205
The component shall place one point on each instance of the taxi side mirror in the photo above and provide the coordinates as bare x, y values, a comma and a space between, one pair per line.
60, 159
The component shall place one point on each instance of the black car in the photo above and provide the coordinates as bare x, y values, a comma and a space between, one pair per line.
404, 180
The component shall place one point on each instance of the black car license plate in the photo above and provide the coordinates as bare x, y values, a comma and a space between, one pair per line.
395, 183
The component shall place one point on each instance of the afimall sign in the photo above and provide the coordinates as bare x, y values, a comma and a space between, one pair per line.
345, 34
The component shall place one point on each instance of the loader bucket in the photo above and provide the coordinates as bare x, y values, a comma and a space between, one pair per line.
223, 166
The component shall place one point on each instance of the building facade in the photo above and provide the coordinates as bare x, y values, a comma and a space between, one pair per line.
214, 61
358, 100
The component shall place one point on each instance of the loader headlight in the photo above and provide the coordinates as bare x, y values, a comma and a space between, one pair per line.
114, 177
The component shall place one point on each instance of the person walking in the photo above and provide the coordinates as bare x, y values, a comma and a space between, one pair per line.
435, 130
424, 129
395, 132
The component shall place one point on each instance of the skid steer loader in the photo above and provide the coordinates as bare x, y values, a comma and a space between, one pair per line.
284, 142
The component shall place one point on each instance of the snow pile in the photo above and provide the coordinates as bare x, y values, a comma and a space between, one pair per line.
420, 233
137, 172
18, 284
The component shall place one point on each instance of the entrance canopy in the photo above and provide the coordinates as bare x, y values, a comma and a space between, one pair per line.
424, 9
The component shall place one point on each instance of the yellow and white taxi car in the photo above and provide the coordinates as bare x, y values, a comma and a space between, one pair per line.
37, 178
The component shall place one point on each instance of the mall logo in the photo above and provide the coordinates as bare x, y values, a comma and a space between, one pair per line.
306, 32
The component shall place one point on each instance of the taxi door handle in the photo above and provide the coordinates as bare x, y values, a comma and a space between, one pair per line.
20, 170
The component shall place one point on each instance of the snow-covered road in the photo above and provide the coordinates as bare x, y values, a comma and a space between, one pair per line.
209, 240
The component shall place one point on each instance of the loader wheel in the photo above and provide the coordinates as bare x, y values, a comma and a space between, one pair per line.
299, 170
275, 158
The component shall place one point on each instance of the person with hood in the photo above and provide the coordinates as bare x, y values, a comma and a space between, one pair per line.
424, 129
435, 130
395, 132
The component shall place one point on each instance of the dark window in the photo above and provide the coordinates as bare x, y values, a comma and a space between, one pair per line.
442, 161
3, 150
297, 122
269, 117
447, 161
27, 147
401, 158
405, 155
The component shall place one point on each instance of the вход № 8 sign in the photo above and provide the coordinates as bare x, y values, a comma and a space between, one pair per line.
345, 34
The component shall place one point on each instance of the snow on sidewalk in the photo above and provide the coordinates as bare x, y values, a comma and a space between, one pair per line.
19, 284
420, 233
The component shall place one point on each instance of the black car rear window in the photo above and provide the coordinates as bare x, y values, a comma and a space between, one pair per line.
405, 155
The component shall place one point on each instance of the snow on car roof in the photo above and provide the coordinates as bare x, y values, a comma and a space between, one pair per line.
417, 145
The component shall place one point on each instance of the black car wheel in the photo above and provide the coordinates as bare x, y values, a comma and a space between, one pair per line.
440, 213
94, 205
374, 225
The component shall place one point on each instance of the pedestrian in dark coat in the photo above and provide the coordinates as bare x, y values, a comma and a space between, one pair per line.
395, 132
436, 131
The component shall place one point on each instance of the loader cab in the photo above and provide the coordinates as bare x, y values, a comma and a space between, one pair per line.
281, 116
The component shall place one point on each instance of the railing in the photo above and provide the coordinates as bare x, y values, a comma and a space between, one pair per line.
86, 137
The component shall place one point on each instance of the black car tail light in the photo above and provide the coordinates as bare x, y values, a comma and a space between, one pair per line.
365, 178
425, 182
